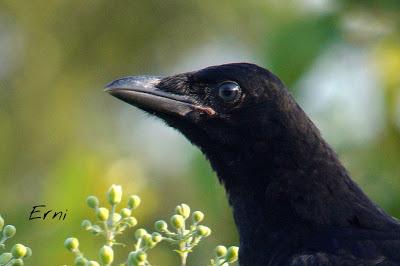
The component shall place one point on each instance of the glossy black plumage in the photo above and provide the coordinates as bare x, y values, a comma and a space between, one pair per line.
293, 201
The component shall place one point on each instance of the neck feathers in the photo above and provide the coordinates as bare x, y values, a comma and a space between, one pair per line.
292, 180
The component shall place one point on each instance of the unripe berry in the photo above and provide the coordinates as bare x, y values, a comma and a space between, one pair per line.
197, 216
203, 230
92, 202
5, 258
183, 210
177, 221
125, 212
141, 256
86, 224
232, 254
71, 243
140, 233
28, 252
161, 226
131, 221
114, 194
151, 244
220, 251
9, 231
146, 237
80, 261
18, 251
102, 214
133, 202
106, 255
148, 241
132, 258
156, 237
17, 262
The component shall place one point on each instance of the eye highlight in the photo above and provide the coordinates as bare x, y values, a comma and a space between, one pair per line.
229, 91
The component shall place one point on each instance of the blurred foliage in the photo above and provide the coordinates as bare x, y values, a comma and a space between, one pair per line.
63, 138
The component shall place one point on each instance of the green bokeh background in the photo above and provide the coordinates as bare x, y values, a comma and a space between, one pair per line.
62, 138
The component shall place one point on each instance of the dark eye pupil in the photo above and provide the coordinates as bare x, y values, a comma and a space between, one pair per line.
228, 91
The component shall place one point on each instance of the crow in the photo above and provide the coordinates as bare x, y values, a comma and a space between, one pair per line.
293, 201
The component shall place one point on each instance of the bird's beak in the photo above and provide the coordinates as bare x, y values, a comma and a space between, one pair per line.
142, 91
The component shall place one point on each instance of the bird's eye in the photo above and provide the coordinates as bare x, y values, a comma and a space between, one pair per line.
229, 91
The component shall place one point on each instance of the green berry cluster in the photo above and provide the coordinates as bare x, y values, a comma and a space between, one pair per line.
224, 256
144, 242
18, 252
185, 232
109, 224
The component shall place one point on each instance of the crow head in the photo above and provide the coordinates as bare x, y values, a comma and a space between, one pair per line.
285, 184
220, 108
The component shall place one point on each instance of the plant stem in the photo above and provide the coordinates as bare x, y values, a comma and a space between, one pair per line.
183, 258
184, 254
110, 218
109, 227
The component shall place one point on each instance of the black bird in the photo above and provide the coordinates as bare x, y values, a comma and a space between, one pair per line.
293, 201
